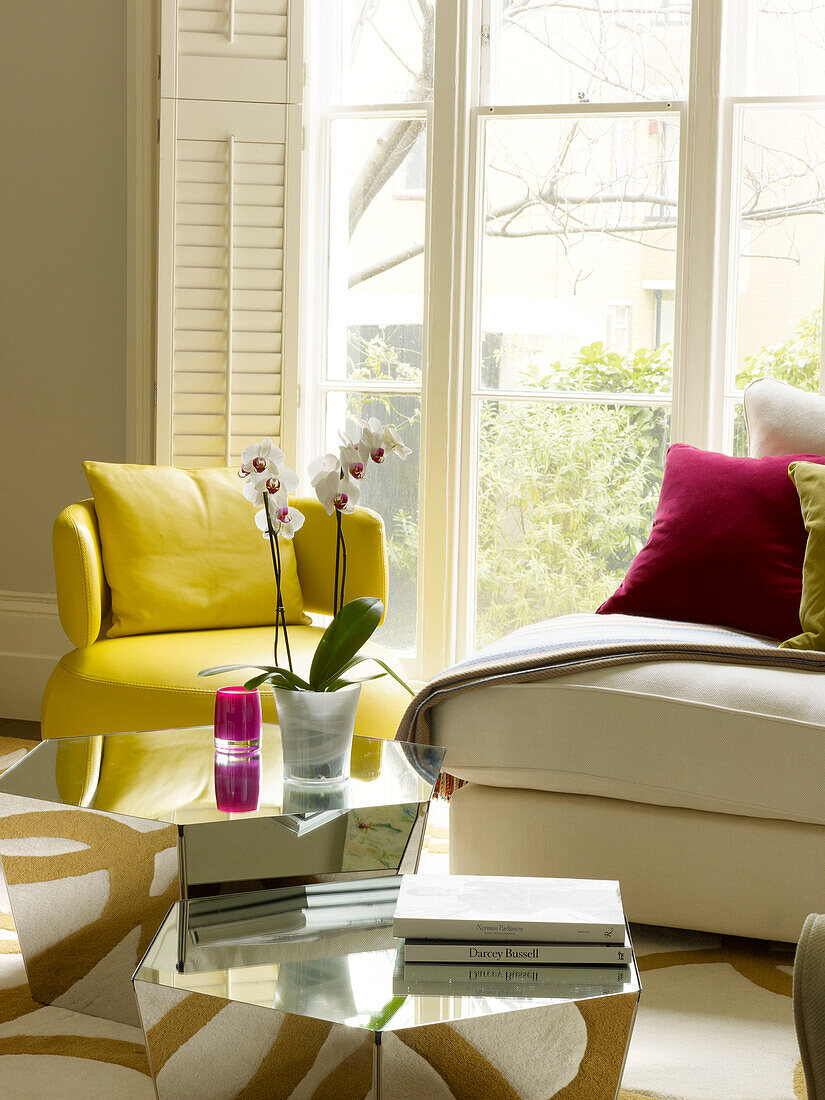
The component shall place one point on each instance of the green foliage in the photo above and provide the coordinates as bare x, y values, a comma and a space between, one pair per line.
595, 369
567, 492
795, 362
566, 498
375, 358
402, 548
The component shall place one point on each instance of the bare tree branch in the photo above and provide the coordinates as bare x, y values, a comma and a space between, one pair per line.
387, 154
775, 170
395, 143
386, 264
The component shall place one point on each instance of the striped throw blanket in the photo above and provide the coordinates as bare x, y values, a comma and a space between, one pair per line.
577, 643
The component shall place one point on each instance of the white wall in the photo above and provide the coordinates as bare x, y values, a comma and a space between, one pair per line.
62, 300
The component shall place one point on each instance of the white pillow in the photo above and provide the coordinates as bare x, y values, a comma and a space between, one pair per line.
782, 420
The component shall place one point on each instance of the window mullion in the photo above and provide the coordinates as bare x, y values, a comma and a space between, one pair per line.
441, 443
698, 370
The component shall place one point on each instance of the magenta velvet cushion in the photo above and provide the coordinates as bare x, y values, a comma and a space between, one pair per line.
726, 546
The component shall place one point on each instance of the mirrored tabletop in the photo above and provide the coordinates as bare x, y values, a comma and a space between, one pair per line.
169, 776
327, 951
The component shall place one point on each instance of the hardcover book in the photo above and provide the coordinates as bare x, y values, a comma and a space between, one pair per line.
524, 954
446, 980
498, 909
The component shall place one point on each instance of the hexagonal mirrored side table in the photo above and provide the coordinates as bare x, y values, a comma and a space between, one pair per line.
279, 994
99, 835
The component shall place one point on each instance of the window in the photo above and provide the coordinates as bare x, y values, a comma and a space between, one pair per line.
775, 244
371, 138
411, 177
617, 327
585, 191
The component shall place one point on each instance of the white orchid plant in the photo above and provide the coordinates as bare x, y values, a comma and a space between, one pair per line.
267, 484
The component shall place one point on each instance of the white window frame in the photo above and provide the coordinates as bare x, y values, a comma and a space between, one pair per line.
450, 395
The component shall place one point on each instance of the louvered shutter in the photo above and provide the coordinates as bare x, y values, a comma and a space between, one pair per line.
228, 212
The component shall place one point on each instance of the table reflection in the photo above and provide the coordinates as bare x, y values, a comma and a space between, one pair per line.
170, 776
327, 951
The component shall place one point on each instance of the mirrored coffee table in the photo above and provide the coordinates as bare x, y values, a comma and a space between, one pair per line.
100, 835
300, 993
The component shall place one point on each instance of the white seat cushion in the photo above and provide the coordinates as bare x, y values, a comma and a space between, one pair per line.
728, 738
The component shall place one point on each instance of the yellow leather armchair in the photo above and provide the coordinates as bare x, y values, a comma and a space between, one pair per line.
150, 681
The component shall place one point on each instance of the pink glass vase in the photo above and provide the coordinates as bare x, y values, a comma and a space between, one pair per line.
237, 750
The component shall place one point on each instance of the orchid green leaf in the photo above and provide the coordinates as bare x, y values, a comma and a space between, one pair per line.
357, 660
292, 681
349, 630
336, 685
296, 682
256, 681
273, 678
218, 669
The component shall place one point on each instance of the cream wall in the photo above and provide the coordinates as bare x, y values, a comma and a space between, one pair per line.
62, 295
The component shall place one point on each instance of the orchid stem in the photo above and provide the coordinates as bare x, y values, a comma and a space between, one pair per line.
281, 611
343, 558
337, 561
276, 565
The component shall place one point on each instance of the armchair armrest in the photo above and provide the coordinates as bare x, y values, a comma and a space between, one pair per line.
315, 553
83, 597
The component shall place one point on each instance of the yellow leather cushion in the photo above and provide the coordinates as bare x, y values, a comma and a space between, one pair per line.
181, 551
151, 682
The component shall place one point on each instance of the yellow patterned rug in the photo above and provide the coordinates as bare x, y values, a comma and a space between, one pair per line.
715, 1023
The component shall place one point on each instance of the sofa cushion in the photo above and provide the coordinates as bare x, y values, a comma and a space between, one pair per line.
809, 479
726, 546
730, 738
151, 681
782, 420
181, 551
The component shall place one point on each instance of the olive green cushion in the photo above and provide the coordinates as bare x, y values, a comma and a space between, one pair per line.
809, 479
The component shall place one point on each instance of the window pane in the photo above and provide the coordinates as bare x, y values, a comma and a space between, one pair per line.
780, 242
789, 48
376, 246
386, 51
390, 489
579, 254
738, 428
552, 51
566, 496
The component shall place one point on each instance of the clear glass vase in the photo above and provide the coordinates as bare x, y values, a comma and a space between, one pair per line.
316, 734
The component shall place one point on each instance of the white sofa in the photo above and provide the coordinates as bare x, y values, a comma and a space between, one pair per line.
701, 787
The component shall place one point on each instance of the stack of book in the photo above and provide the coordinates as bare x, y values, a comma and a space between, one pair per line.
483, 936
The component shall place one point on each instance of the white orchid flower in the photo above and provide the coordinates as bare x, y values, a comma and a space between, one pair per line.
285, 520
280, 486
372, 439
322, 465
394, 443
333, 486
359, 446
262, 458
351, 460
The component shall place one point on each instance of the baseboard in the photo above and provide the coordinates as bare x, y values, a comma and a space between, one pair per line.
31, 642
